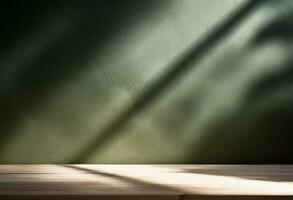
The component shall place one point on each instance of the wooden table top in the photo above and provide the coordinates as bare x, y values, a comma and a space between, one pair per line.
176, 182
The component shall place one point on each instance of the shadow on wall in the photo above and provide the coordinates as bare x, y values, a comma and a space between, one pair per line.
46, 45
261, 131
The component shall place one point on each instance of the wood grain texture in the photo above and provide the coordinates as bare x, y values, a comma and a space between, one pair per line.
174, 182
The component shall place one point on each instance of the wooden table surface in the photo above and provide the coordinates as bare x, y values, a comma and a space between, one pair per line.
198, 182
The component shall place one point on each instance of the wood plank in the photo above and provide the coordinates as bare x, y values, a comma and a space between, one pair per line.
192, 182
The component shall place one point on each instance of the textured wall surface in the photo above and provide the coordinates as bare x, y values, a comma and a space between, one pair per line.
69, 67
